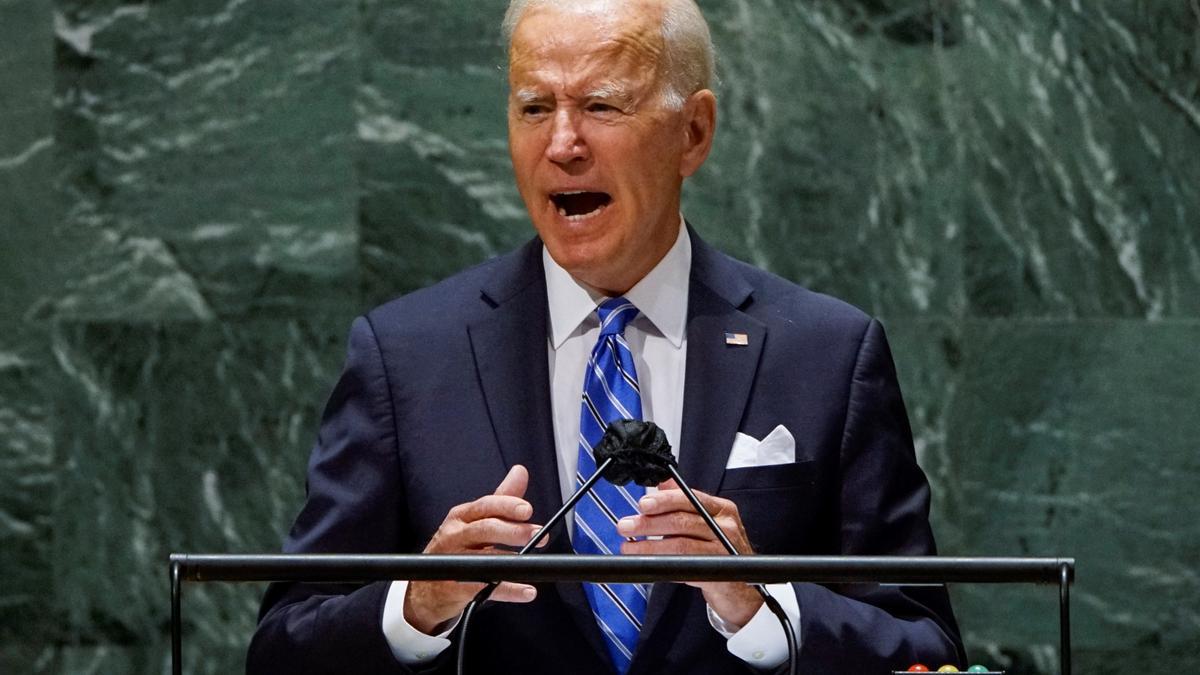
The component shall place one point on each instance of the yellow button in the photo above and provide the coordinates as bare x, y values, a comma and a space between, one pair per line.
948, 669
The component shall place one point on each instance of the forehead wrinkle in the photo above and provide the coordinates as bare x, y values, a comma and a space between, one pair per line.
586, 80
628, 38
626, 58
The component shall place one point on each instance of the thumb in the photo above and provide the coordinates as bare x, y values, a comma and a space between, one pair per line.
514, 483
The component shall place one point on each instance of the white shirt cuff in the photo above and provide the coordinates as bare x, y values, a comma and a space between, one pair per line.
409, 645
761, 642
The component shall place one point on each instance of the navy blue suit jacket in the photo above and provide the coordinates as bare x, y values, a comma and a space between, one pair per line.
446, 388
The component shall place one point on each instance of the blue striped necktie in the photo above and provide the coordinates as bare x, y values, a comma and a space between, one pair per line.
610, 393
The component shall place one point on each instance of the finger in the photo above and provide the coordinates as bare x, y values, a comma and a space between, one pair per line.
515, 483
511, 592
495, 532
674, 523
665, 501
668, 484
672, 546
493, 506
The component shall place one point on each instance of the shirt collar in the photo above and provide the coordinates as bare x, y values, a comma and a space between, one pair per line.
661, 296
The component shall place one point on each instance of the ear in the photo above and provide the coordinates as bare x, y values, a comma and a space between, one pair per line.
700, 123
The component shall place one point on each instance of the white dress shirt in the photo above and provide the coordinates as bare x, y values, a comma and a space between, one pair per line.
657, 338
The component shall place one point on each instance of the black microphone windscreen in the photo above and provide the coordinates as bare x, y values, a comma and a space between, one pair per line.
640, 452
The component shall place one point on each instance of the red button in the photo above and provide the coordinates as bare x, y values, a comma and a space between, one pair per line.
918, 668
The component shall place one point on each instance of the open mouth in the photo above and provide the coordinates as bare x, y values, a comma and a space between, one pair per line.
580, 205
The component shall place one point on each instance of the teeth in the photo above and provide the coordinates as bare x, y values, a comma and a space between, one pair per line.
562, 211
581, 216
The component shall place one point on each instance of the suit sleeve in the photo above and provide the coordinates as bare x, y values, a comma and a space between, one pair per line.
353, 505
884, 503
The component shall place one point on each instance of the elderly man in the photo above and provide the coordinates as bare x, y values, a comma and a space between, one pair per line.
457, 424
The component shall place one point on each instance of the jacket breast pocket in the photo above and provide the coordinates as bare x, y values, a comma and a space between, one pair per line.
777, 503
772, 477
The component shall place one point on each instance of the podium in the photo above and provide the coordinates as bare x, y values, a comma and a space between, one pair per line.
331, 568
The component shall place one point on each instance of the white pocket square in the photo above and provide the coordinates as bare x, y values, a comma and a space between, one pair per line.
779, 447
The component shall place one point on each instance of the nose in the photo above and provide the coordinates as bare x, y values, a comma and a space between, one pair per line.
566, 143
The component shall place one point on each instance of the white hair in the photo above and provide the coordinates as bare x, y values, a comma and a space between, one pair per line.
689, 59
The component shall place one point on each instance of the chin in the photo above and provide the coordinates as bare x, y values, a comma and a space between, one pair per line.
586, 262
580, 261
576, 244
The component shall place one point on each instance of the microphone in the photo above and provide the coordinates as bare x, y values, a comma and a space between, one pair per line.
639, 451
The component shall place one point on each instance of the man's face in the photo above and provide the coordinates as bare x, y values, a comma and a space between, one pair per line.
599, 159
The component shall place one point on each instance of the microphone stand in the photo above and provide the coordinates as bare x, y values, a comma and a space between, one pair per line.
486, 591
768, 599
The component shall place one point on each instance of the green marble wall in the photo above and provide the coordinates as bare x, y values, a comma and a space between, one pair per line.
196, 198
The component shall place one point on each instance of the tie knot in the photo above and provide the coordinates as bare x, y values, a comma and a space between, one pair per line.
615, 314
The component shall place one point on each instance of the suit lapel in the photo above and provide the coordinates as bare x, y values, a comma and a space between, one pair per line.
511, 361
716, 386
720, 375
509, 346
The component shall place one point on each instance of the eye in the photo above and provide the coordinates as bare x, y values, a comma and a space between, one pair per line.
534, 109
602, 108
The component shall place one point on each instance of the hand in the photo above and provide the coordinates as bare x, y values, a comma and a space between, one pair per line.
474, 527
670, 514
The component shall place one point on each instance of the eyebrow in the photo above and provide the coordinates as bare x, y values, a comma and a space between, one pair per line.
527, 96
610, 90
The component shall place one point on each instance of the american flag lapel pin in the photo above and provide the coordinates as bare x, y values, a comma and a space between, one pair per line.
737, 339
